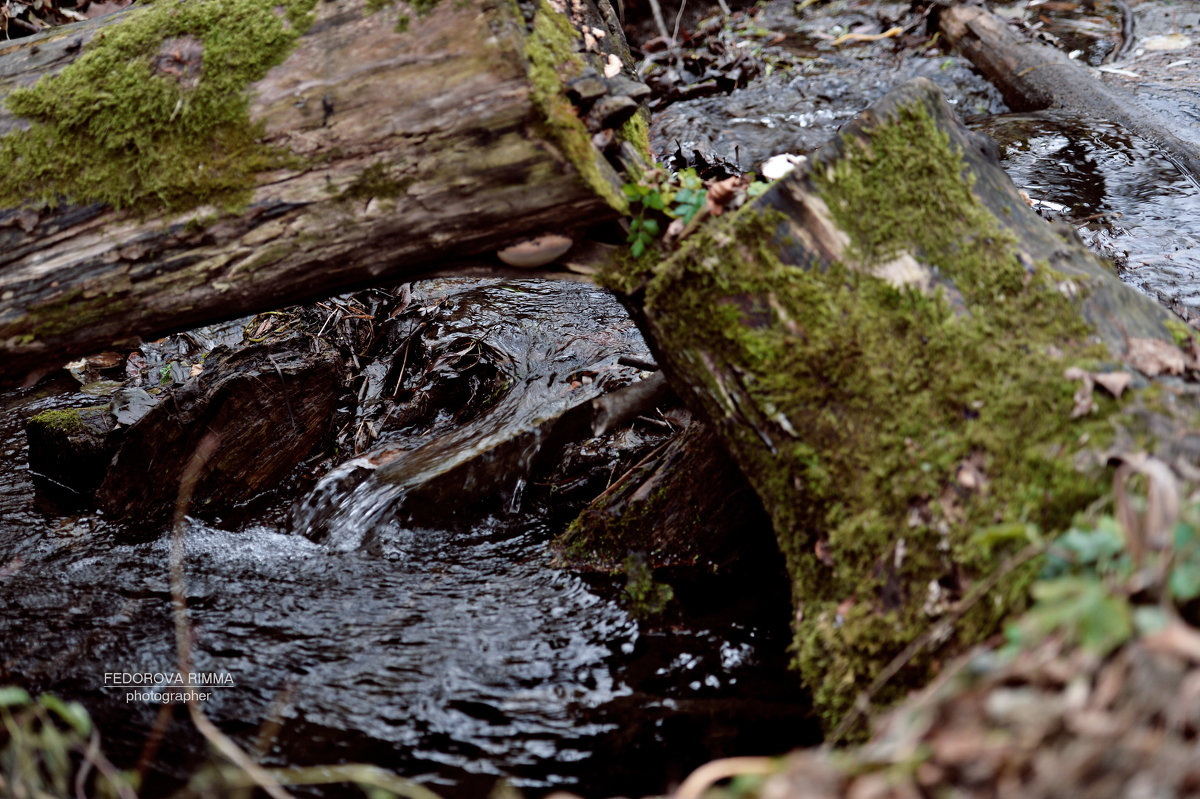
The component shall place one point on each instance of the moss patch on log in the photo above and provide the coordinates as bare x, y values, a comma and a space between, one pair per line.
553, 55
155, 113
887, 429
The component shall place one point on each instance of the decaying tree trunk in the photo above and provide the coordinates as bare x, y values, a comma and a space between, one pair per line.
1034, 76
373, 147
902, 358
684, 506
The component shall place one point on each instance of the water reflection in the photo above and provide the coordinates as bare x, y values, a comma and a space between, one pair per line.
1128, 200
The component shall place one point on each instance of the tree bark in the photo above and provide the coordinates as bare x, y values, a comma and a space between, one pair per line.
901, 357
1034, 76
402, 151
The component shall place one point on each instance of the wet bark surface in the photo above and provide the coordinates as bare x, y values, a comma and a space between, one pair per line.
407, 150
1035, 76
268, 407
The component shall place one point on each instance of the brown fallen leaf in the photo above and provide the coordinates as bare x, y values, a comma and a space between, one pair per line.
1114, 383
721, 193
1153, 357
1083, 395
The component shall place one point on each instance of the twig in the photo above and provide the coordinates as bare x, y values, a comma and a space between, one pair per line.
656, 9
183, 632
933, 632
678, 19
359, 774
703, 778
93, 757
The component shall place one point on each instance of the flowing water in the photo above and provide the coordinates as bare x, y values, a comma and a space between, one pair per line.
454, 653
1127, 199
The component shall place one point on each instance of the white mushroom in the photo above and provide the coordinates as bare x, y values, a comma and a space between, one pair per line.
545, 249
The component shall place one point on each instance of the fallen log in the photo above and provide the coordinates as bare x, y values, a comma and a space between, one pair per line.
686, 507
1033, 76
176, 164
901, 357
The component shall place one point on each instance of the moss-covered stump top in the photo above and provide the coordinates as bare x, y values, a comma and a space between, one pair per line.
882, 342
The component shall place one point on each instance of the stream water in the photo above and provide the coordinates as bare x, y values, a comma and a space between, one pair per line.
454, 654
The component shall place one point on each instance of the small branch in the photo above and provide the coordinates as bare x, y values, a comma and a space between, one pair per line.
938, 631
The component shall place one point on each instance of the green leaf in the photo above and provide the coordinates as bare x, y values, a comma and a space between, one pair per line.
631, 192
650, 226
756, 188
654, 200
1148, 619
72, 713
1185, 534
1184, 581
638, 248
11, 695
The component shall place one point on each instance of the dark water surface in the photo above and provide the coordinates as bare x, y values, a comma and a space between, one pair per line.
455, 655
1127, 199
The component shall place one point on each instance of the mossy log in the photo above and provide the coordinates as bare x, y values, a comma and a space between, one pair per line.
1034, 76
884, 343
179, 163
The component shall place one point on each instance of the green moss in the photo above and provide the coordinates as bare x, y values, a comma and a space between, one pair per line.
601, 537
65, 421
885, 427
1181, 332
636, 131
644, 598
552, 53
376, 181
118, 128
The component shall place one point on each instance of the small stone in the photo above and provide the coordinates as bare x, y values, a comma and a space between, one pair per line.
586, 90
629, 87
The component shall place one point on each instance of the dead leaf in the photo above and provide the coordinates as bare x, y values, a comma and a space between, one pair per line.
1114, 383
1083, 395
721, 193
1177, 639
1147, 531
1153, 357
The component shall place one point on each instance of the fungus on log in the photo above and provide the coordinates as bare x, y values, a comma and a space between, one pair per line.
885, 342
184, 162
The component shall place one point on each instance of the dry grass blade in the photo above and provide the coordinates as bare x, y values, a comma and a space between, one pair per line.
1150, 530
708, 775
183, 632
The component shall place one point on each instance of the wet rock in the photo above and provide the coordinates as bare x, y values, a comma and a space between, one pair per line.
72, 448
688, 507
586, 90
612, 111
269, 405
500, 378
